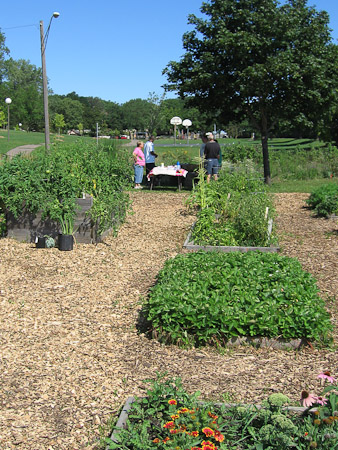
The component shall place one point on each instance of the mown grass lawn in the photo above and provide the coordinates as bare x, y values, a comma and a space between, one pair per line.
19, 138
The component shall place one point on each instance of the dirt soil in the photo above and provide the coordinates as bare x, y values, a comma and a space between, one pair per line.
70, 351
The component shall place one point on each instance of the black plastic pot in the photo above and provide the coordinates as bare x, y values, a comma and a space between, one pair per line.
41, 242
66, 242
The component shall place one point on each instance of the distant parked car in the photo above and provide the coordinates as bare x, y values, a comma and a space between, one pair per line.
141, 135
124, 136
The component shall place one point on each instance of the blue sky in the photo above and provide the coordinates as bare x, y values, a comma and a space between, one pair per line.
113, 49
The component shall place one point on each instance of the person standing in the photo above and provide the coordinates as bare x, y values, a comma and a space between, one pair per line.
212, 153
149, 154
139, 163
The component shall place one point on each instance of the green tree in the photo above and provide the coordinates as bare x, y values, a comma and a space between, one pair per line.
136, 114
59, 122
201, 120
71, 110
258, 60
4, 51
3, 119
23, 82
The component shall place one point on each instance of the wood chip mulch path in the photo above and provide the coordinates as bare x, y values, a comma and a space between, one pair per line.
69, 348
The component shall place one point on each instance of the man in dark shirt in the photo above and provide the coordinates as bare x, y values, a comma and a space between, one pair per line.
212, 152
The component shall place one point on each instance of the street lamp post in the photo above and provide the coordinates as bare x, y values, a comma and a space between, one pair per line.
187, 123
8, 101
175, 121
43, 38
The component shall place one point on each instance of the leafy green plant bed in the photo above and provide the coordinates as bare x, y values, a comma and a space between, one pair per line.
235, 211
170, 418
211, 297
324, 200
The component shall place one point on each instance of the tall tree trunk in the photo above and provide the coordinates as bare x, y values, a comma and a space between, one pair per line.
265, 148
266, 161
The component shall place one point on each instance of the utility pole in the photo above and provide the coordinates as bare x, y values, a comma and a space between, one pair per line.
45, 87
43, 38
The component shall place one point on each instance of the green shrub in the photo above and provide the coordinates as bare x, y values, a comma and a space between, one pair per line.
209, 297
240, 152
324, 200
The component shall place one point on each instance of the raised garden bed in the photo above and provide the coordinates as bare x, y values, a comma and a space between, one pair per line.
191, 246
289, 423
169, 417
28, 226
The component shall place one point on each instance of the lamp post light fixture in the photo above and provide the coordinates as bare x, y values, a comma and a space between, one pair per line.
8, 101
175, 121
44, 38
187, 123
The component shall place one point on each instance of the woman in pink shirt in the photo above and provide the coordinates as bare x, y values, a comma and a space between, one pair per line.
139, 163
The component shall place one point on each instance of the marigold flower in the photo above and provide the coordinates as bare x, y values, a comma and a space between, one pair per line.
156, 440
172, 402
327, 376
218, 436
169, 425
208, 432
307, 399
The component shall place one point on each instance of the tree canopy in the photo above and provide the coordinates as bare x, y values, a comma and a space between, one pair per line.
261, 60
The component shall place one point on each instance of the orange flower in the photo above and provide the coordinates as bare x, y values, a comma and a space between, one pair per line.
194, 433
172, 402
183, 410
213, 416
156, 440
165, 440
208, 432
175, 416
219, 436
173, 431
207, 445
169, 425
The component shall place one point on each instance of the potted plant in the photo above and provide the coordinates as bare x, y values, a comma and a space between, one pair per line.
44, 241
66, 237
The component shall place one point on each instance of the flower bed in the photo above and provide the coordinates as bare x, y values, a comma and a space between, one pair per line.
168, 417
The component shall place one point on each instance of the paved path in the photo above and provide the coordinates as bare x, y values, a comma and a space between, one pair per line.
22, 149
